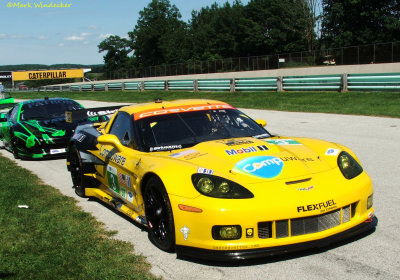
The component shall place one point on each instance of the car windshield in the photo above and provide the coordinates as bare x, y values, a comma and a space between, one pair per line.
48, 109
179, 130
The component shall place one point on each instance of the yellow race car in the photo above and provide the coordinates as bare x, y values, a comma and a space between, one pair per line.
209, 182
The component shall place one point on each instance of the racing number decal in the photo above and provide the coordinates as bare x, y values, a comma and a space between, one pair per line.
121, 184
112, 176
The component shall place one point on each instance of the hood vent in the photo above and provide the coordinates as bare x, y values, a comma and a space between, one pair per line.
297, 181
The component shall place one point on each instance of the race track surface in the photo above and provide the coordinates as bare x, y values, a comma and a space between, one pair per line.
375, 140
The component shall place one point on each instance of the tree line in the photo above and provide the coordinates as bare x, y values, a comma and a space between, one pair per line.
262, 27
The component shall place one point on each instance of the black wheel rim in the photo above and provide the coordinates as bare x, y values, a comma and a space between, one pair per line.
157, 214
76, 170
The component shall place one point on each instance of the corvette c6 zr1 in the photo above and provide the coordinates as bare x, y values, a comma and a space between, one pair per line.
209, 182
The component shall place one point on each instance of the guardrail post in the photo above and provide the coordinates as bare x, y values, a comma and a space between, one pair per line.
343, 84
279, 84
196, 85
166, 85
106, 87
123, 86
92, 87
232, 85
142, 85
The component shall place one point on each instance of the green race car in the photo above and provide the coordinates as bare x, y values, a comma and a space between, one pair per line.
38, 128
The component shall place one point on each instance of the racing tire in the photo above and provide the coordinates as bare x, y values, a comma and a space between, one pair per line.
76, 168
161, 228
13, 145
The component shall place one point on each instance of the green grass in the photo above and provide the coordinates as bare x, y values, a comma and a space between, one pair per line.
53, 238
356, 103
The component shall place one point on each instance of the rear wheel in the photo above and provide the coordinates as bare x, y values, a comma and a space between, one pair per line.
159, 215
77, 175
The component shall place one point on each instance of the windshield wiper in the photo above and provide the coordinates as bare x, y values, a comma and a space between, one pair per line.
262, 136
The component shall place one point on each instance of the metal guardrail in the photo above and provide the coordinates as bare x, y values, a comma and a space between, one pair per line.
154, 85
371, 82
214, 85
256, 84
315, 82
181, 85
133, 85
338, 82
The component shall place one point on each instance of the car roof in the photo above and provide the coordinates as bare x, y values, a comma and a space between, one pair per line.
161, 104
47, 99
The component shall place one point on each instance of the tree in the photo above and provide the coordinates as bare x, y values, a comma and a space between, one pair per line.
217, 32
117, 48
310, 10
159, 36
275, 26
357, 22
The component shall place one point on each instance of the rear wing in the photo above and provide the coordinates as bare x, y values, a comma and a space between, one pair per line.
84, 114
7, 105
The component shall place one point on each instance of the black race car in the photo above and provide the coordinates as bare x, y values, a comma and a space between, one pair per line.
38, 128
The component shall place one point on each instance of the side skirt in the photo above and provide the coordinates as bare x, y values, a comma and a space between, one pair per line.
115, 203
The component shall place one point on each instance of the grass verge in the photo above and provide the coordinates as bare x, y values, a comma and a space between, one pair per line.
355, 103
53, 238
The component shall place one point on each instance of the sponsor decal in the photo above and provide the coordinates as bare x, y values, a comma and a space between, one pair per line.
123, 193
57, 151
79, 137
296, 159
112, 176
5, 75
101, 113
124, 180
306, 189
235, 142
180, 109
188, 154
165, 148
117, 158
249, 232
130, 196
323, 206
47, 74
185, 231
332, 152
247, 150
283, 142
261, 166
184, 153
205, 170
262, 148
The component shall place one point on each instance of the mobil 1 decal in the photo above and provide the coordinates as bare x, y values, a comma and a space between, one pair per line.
261, 166
112, 176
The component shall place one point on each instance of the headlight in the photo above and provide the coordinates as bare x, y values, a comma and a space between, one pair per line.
348, 165
370, 201
214, 186
226, 232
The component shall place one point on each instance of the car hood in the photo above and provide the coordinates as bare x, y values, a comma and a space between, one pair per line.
259, 160
49, 128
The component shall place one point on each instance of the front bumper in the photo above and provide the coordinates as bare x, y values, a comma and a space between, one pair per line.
230, 255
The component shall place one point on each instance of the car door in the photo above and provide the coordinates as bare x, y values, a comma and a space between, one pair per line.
120, 174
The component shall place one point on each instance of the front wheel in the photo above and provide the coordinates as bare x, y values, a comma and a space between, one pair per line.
159, 215
13, 145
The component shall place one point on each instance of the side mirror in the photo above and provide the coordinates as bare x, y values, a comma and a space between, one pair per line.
261, 123
110, 139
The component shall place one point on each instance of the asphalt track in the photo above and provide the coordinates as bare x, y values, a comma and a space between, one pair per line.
375, 140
